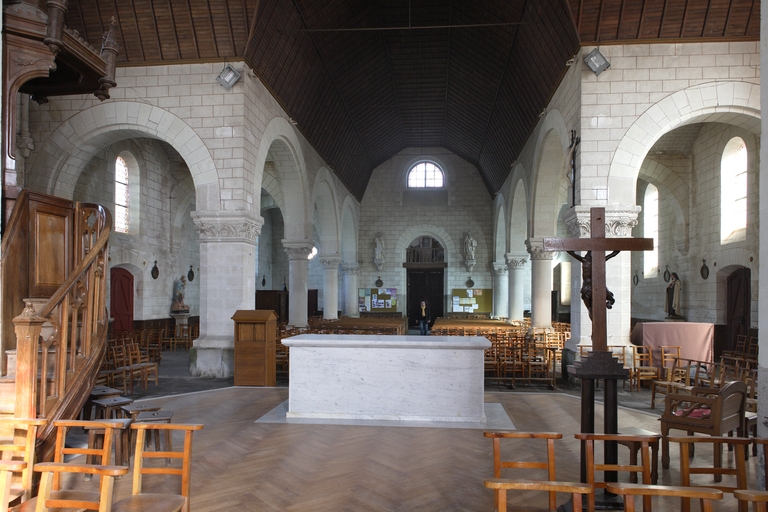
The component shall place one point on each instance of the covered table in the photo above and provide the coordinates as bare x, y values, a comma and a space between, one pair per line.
694, 339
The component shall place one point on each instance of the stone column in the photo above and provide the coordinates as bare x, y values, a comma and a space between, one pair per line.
500, 290
351, 271
227, 283
298, 251
541, 283
330, 263
516, 265
619, 221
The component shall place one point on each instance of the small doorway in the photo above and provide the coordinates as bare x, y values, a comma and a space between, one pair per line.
121, 299
738, 305
425, 267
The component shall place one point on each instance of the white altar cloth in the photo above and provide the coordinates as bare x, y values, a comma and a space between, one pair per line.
402, 378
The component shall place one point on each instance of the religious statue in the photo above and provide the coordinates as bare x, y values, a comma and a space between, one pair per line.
586, 281
178, 304
469, 246
378, 250
672, 302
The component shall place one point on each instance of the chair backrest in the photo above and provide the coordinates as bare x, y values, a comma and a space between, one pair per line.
52, 471
642, 356
153, 463
548, 464
22, 436
592, 467
734, 398
670, 355
61, 451
628, 491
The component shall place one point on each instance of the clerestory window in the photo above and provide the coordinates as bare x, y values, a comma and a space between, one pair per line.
425, 175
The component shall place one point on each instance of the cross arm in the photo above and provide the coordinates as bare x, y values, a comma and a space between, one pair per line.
598, 244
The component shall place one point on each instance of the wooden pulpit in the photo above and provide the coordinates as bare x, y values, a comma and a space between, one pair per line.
255, 347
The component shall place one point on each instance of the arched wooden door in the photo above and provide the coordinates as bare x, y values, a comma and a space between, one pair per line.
738, 304
121, 299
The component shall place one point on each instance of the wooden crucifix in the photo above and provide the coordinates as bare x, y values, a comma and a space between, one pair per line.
600, 363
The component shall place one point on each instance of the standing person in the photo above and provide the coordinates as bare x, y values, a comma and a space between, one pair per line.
424, 319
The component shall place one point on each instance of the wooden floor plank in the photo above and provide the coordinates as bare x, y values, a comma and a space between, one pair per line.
241, 465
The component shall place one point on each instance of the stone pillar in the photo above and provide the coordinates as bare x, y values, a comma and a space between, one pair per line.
227, 283
516, 265
298, 251
619, 221
500, 290
541, 283
351, 271
330, 263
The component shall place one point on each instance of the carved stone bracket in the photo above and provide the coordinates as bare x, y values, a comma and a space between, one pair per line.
297, 250
227, 226
500, 269
536, 250
351, 269
515, 261
619, 221
330, 261
470, 264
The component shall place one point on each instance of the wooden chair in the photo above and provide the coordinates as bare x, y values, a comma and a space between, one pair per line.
677, 378
628, 491
49, 499
7, 469
758, 499
548, 465
19, 444
62, 451
704, 410
147, 463
502, 485
143, 360
642, 367
740, 471
592, 468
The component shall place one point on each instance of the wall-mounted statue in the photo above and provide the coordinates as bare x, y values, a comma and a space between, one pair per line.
178, 305
378, 251
470, 244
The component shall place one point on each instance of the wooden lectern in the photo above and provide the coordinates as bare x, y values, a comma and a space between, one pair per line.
255, 347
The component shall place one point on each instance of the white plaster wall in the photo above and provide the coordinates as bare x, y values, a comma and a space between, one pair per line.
469, 208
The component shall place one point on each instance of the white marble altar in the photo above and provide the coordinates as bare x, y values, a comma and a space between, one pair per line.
401, 378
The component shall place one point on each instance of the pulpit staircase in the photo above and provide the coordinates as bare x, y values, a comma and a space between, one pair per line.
55, 251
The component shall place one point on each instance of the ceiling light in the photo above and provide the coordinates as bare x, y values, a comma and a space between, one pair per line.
596, 62
228, 77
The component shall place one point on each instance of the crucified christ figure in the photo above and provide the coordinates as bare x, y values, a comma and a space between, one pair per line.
586, 280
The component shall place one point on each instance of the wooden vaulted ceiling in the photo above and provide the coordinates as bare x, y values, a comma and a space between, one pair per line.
364, 79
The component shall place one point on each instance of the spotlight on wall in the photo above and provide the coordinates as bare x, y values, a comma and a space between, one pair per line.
596, 62
228, 77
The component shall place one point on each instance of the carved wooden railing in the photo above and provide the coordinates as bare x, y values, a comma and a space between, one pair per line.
56, 372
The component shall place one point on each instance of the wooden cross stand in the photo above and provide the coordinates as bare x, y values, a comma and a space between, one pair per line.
600, 363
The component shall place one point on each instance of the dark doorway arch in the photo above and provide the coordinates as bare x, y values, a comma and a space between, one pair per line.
738, 304
121, 299
425, 268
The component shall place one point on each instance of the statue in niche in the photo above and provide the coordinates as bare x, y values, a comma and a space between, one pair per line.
470, 244
672, 302
178, 305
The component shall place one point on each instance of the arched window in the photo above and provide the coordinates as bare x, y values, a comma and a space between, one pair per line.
651, 230
425, 175
122, 196
733, 191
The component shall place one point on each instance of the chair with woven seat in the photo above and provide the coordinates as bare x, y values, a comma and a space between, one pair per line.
628, 491
677, 379
642, 367
499, 464
19, 444
148, 463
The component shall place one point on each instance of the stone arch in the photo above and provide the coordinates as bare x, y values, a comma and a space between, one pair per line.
130, 261
549, 190
518, 209
724, 102
72, 145
499, 229
726, 265
670, 184
281, 143
324, 200
435, 232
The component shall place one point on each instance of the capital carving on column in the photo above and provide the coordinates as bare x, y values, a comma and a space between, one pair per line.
536, 250
515, 261
499, 269
227, 226
330, 261
297, 250
619, 221
351, 269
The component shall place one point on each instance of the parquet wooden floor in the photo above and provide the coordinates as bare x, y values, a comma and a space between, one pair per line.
240, 465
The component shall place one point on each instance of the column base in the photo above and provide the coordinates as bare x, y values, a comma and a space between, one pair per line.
216, 362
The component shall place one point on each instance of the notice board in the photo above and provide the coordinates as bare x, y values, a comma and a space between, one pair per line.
377, 300
471, 300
